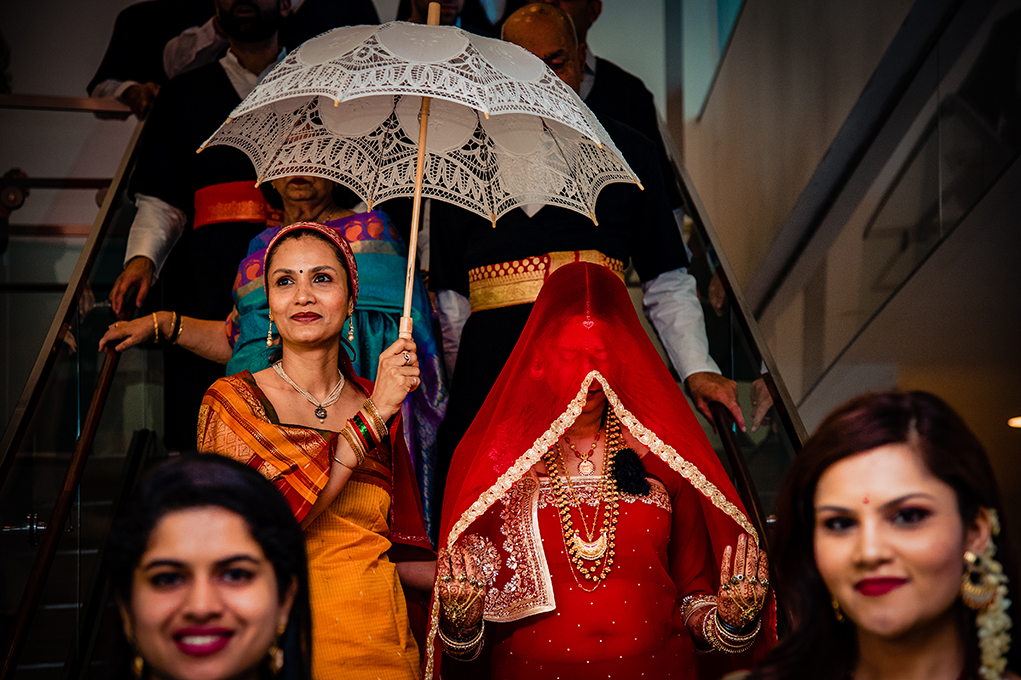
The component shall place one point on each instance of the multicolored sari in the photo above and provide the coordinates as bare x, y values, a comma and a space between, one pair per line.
360, 619
381, 257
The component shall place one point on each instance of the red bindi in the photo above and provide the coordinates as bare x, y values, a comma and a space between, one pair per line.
865, 501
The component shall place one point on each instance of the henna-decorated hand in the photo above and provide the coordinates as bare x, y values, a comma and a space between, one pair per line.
743, 591
461, 588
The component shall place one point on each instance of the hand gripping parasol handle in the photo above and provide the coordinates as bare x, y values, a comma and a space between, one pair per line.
409, 283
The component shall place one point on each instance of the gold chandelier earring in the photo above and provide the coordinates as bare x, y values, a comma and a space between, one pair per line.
269, 334
275, 653
351, 329
979, 582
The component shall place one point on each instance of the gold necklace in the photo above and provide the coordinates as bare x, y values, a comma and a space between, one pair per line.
580, 551
586, 466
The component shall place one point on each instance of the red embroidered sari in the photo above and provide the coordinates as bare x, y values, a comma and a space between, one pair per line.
540, 622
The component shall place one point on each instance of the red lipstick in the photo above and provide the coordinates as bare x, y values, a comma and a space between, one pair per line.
202, 641
876, 587
305, 317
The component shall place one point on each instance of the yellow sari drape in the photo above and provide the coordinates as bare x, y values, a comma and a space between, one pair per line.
360, 627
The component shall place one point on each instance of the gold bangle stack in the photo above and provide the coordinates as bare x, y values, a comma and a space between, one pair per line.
364, 432
356, 444
692, 604
376, 420
721, 639
464, 650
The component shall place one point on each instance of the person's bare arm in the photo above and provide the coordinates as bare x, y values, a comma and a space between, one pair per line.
201, 336
418, 575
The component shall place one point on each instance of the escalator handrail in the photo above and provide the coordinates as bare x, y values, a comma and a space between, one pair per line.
55, 527
723, 420
782, 401
21, 418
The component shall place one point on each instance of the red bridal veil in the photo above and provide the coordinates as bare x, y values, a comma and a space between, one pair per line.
583, 327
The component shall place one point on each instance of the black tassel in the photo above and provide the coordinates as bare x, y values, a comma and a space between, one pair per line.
630, 473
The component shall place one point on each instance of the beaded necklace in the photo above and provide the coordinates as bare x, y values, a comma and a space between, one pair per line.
580, 551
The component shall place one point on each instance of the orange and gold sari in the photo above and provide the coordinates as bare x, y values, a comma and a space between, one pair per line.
360, 626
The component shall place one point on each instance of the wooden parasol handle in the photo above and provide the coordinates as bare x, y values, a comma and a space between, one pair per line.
416, 211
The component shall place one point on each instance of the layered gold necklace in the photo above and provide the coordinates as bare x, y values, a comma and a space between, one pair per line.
597, 548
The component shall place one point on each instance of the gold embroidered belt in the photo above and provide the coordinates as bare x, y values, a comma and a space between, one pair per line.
518, 282
231, 202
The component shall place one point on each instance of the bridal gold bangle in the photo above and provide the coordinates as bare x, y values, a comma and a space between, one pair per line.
464, 650
716, 633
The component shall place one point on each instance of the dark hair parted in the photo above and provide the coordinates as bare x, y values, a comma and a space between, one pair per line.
816, 645
195, 481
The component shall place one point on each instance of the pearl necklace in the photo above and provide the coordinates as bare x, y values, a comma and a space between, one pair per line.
320, 406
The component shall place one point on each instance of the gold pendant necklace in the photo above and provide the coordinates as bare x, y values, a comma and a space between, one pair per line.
583, 552
590, 550
586, 466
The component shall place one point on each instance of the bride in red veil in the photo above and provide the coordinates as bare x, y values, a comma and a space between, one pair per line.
586, 518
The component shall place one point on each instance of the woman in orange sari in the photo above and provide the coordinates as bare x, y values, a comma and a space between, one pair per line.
332, 443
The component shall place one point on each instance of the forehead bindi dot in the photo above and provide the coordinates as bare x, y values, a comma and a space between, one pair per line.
301, 271
865, 501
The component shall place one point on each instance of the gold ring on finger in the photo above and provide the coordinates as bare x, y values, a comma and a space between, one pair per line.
734, 580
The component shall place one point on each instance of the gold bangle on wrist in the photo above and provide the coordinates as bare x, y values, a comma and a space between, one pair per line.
376, 419
180, 329
464, 650
156, 328
355, 442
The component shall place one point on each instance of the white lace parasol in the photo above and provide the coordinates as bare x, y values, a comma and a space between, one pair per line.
503, 130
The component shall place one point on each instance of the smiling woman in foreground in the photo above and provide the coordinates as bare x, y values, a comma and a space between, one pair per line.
209, 573
890, 555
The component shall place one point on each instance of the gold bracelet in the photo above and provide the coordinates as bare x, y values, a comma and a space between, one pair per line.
376, 419
340, 462
180, 329
156, 327
356, 444
463, 645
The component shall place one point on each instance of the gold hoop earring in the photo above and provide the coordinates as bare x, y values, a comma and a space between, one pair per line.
351, 329
269, 334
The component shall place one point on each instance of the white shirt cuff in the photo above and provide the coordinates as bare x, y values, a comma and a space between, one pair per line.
453, 310
671, 304
154, 232
112, 88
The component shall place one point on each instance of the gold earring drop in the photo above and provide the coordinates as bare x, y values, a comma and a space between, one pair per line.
269, 334
978, 585
138, 666
275, 653
351, 329
836, 609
